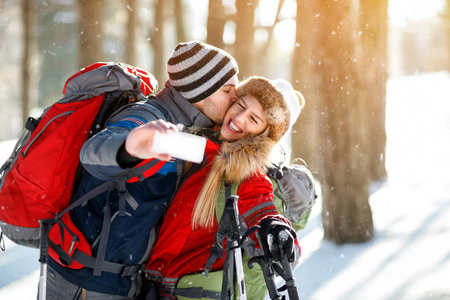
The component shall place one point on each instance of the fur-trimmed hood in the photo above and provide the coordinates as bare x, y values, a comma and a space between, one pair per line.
242, 159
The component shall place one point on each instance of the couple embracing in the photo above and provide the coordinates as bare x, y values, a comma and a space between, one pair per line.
170, 230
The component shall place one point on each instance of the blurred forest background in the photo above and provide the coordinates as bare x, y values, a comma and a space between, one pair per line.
338, 53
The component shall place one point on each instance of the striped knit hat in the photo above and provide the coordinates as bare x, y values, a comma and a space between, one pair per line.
197, 70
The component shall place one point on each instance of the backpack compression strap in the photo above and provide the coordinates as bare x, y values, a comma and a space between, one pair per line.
193, 292
99, 264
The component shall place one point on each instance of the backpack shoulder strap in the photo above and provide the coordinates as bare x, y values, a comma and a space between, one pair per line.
224, 193
217, 251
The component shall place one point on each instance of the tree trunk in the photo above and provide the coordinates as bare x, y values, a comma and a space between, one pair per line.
216, 24
306, 131
179, 21
28, 48
91, 33
157, 40
130, 43
373, 56
244, 45
347, 216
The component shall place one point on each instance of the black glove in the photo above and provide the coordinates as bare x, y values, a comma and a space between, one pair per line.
277, 239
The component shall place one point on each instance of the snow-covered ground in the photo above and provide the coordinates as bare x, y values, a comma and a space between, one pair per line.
409, 257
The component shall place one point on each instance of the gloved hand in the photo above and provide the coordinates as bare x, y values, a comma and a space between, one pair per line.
277, 239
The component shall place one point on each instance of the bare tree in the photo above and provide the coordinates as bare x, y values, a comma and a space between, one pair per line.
157, 41
216, 24
244, 44
347, 216
328, 74
91, 33
373, 58
306, 131
28, 49
130, 43
179, 21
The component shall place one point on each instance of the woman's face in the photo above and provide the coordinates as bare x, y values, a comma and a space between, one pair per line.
244, 118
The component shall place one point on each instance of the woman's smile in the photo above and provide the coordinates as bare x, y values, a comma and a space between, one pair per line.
234, 127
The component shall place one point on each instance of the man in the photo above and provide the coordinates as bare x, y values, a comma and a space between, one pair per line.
119, 224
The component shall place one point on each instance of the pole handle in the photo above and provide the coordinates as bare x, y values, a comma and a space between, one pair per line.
290, 280
45, 226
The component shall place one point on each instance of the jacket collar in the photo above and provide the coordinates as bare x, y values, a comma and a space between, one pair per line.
183, 111
242, 159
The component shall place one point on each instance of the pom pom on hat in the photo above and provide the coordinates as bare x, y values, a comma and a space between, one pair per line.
197, 70
294, 99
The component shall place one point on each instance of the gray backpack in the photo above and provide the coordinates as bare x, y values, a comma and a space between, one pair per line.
294, 185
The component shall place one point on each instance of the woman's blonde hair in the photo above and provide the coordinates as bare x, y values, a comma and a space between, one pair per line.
205, 206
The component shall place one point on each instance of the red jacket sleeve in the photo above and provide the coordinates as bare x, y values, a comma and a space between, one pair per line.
256, 200
256, 204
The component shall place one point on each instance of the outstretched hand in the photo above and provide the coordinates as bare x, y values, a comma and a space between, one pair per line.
139, 142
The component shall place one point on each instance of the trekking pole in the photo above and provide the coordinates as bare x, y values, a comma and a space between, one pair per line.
233, 243
288, 275
43, 256
229, 230
269, 275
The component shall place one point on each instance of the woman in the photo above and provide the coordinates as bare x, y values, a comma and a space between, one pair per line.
239, 152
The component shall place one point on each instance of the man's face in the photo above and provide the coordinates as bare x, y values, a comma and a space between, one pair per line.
218, 103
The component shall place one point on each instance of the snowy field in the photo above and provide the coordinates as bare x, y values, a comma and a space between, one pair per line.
409, 257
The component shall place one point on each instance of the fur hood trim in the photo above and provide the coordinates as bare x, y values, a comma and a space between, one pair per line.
242, 159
